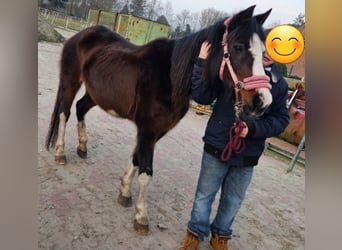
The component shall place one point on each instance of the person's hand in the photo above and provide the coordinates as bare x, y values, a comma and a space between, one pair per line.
244, 131
204, 50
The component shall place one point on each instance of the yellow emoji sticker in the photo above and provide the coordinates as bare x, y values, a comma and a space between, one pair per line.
284, 44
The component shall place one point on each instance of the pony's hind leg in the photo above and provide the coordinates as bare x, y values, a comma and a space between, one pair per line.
82, 107
69, 84
60, 154
66, 95
125, 196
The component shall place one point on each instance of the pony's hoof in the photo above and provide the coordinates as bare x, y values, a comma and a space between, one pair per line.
60, 159
125, 201
140, 228
81, 153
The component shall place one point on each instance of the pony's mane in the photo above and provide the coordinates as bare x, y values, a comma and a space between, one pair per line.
185, 54
186, 51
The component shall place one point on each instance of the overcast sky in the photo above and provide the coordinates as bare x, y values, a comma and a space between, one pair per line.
283, 11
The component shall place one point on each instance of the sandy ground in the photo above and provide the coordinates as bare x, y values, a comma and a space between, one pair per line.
77, 206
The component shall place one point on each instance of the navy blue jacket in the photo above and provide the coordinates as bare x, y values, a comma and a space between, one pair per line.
272, 123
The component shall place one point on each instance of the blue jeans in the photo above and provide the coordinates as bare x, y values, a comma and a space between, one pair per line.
233, 180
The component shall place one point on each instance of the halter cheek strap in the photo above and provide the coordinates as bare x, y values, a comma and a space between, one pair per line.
225, 59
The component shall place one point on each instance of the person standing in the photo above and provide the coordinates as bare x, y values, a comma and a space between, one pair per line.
233, 176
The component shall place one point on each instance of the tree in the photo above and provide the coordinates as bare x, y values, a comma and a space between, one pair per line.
82, 9
56, 4
282, 68
182, 19
176, 33
120, 5
106, 5
210, 16
162, 19
137, 7
187, 30
167, 11
194, 21
299, 20
151, 11
125, 10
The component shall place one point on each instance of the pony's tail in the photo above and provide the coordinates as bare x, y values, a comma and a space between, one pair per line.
51, 136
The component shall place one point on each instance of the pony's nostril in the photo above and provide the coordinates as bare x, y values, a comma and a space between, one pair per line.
257, 107
245, 109
258, 101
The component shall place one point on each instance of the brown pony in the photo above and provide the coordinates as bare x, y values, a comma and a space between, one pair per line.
150, 85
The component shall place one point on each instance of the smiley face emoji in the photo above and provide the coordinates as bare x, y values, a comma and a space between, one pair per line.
284, 44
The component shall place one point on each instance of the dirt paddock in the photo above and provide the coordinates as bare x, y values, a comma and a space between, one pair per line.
78, 206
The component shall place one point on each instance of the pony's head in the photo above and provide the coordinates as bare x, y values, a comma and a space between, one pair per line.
241, 66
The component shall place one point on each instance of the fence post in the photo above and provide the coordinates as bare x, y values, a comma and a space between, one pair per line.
98, 17
67, 22
54, 18
115, 20
295, 157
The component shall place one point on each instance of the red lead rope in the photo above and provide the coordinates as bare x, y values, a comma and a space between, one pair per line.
236, 143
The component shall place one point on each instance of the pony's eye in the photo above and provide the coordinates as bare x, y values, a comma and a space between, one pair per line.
238, 47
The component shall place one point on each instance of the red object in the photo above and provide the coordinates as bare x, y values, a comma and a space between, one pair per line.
236, 143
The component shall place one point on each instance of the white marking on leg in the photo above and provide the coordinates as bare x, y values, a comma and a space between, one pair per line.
126, 180
82, 135
61, 133
141, 206
257, 49
112, 112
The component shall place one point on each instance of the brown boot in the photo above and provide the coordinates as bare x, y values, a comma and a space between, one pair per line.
190, 241
219, 242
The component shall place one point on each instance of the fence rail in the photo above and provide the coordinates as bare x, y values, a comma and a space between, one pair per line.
62, 20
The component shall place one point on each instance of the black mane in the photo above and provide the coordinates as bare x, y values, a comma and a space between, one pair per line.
186, 50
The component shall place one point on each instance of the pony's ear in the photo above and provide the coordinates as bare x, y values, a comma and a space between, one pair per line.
245, 14
261, 18
241, 17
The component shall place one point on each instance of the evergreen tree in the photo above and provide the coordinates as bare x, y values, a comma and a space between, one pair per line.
57, 4
282, 68
187, 30
162, 19
299, 20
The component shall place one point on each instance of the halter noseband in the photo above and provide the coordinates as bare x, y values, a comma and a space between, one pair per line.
249, 83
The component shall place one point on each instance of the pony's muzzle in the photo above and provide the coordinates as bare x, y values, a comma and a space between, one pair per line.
259, 104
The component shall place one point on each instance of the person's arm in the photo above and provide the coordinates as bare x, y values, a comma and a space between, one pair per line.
273, 122
200, 92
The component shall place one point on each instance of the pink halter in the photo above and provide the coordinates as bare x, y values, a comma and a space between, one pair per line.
252, 82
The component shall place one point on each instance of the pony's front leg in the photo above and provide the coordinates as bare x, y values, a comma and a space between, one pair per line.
141, 216
125, 196
145, 160
60, 155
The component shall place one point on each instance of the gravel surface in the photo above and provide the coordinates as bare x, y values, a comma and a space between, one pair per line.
78, 206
